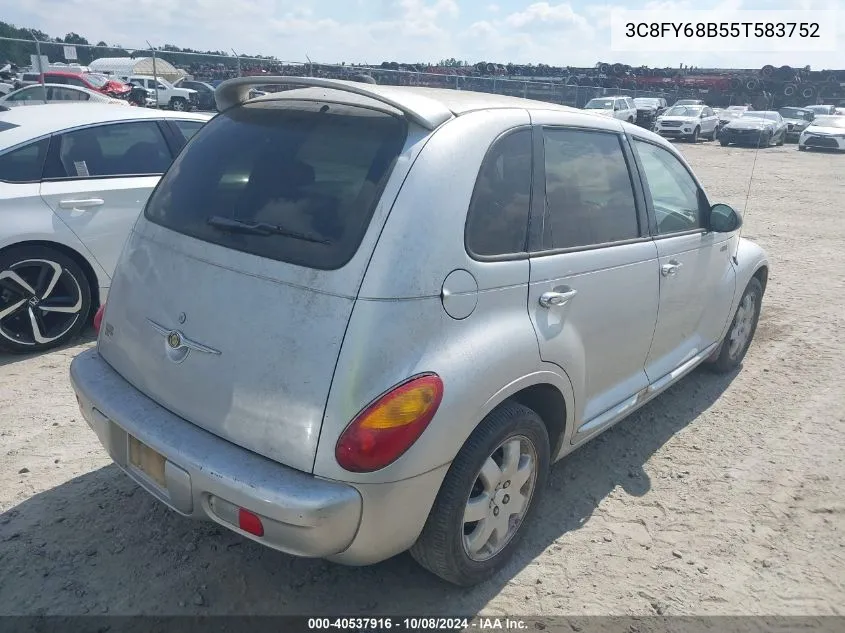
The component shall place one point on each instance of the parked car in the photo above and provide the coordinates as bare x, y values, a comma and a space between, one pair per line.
738, 108
64, 219
690, 122
821, 109
167, 95
92, 81
56, 93
726, 115
689, 102
797, 120
756, 128
28, 79
205, 93
283, 356
622, 108
648, 109
825, 132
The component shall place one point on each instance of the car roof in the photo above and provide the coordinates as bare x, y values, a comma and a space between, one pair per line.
47, 84
64, 73
429, 107
34, 121
457, 102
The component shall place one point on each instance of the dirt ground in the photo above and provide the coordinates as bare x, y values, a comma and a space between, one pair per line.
724, 496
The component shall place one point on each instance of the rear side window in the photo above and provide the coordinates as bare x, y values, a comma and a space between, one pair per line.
121, 149
589, 195
497, 221
24, 164
291, 181
188, 128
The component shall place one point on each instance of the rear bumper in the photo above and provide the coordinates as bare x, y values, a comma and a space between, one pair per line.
210, 478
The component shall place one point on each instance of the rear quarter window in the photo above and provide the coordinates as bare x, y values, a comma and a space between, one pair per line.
24, 164
287, 180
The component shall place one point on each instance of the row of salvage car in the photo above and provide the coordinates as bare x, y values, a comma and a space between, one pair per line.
812, 127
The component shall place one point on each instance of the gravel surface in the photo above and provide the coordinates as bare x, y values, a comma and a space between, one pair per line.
726, 495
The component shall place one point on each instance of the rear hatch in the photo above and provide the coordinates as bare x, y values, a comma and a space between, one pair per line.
234, 290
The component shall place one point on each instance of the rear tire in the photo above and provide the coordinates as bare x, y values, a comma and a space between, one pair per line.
59, 308
447, 545
741, 331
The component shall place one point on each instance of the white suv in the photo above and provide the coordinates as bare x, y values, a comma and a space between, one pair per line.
622, 108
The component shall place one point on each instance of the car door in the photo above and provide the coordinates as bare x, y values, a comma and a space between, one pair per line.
593, 291
697, 278
98, 178
709, 120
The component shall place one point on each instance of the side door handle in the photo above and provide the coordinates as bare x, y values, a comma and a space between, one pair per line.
555, 299
88, 203
670, 268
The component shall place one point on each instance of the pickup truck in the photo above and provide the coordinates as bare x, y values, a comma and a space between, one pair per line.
168, 95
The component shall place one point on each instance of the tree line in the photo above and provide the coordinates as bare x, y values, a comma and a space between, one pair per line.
19, 52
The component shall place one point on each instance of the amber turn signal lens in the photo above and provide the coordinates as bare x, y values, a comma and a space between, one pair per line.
383, 431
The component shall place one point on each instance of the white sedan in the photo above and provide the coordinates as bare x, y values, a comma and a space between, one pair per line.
56, 93
825, 132
72, 182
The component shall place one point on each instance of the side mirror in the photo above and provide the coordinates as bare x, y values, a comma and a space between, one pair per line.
723, 219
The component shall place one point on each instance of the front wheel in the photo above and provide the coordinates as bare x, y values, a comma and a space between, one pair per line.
802, 148
45, 299
742, 329
694, 136
724, 142
487, 496
178, 104
782, 140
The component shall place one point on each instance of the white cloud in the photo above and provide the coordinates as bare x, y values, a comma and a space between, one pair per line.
542, 15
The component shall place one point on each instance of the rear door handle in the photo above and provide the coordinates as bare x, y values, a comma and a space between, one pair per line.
81, 204
553, 299
671, 268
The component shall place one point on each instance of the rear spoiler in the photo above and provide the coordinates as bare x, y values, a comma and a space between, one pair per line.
419, 109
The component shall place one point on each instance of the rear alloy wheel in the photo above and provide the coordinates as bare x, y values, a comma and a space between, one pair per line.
45, 299
487, 496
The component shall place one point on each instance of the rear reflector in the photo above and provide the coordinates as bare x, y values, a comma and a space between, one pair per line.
98, 318
250, 522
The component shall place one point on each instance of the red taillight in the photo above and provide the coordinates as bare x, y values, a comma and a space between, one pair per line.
382, 432
98, 317
250, 522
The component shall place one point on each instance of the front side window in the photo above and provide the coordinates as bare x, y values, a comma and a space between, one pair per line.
497, 221
674, 192
24, 164
123, 149
33, 93
589, 195
293, 181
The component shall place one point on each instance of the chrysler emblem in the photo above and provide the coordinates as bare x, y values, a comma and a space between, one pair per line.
177, 345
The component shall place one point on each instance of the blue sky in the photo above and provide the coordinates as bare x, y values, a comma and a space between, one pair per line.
521, 31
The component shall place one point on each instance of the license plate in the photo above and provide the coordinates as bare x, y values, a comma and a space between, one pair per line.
147, 461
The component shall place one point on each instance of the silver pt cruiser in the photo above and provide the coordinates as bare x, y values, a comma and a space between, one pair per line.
355, 320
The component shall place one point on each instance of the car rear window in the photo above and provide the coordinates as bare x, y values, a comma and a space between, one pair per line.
300, 180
